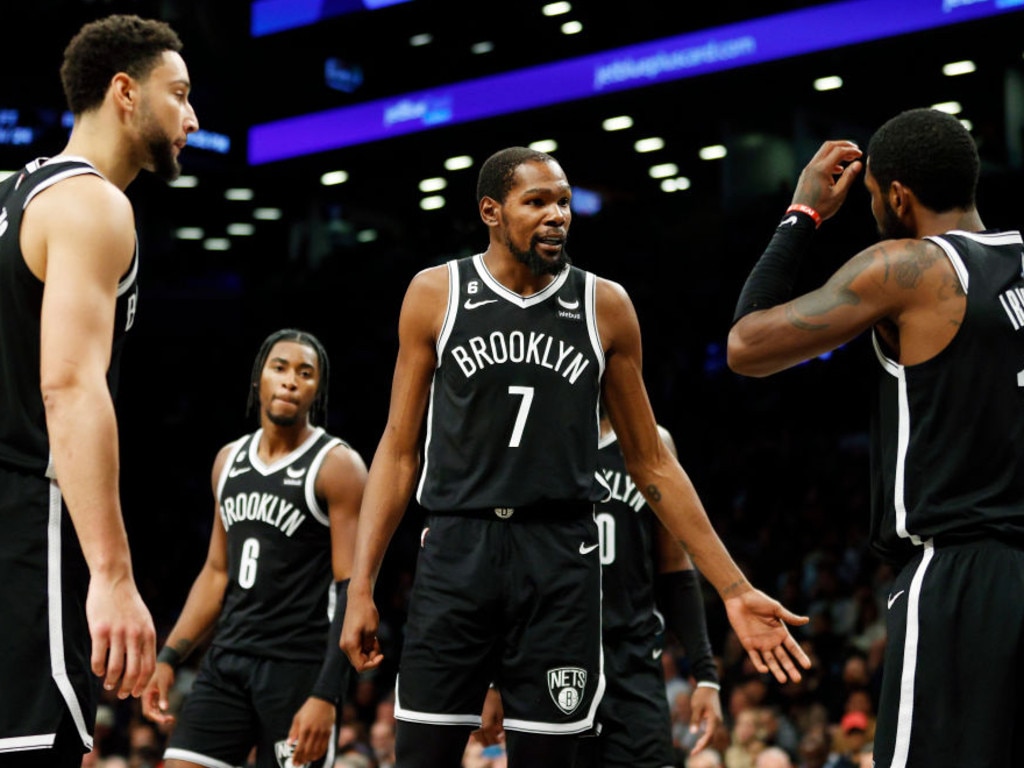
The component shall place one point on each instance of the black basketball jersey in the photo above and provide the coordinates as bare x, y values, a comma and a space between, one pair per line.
24, 444
276, 604
948, 433
627, 526
513, 414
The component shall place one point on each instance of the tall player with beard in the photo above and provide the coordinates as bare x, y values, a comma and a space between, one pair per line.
942, 296
68, 295
503, 357
287, 500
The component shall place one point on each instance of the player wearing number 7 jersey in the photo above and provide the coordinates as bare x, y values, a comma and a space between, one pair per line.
943, 297
284, 525
503, 358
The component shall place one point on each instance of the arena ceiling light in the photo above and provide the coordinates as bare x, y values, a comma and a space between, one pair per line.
241, 229
435, 184
238, 193
663, 170
432, 203
333, 178
830, 83
949, 107
713, 152
458, 163
620, 123
572, 27
544, 145
955, 68
556, 9
651, 144
267, 214
185, 182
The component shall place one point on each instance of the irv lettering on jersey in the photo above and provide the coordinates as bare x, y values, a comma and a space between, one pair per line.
263, 507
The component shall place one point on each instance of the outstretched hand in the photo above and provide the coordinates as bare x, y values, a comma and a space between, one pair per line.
760, 625
827, 178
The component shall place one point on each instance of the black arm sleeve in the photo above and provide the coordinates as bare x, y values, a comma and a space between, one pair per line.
679, 598
333, 680
771, 281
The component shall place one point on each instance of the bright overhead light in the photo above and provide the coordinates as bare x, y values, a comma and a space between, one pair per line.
652, 144
831, 83
185, 182
664, 170
620, 123
955, 68
432, 203
366, 235
331, 178
435, 184
967, 124
675, 185
423, 39
267, 214
556, 9
544, 145
572, 28
6, 174
189, 233
949, 107
216, 244
238, 193
458, 163
484, 46
241, 229
712, 152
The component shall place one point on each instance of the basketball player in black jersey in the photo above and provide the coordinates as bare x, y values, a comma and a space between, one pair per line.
69, 608
648, 585
502, 360
944, 299
287, 500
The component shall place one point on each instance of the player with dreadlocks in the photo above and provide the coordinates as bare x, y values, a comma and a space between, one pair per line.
287, 500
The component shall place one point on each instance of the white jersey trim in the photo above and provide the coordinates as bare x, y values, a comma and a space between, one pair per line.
954, 258
899, 372
26, 743
905, 710
55, 609
269, 469
512, 297
173, 753
454, 286
320, 515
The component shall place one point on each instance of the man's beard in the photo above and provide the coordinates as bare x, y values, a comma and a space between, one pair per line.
538, 264
890, 227
161, 153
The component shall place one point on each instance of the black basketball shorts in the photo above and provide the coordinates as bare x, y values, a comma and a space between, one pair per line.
953, 660
238, 702
515, 602
45, 674
634, 723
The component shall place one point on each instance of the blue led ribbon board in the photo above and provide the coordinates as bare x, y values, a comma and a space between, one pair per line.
727, 47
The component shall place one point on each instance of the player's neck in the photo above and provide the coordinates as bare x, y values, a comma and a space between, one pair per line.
514, 274
278, 440
102, 144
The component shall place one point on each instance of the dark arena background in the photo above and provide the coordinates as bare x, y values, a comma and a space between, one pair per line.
326, 175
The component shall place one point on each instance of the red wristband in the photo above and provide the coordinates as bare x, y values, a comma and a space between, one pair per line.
808, 210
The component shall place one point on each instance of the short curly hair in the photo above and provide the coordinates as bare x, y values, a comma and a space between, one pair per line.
498, 172
931, 153
102, 48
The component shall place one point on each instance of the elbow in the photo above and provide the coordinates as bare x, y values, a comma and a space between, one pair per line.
740, 357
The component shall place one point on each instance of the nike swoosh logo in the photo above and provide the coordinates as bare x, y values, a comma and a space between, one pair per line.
791, 220
656, 653
295, 472
569, 304
236, 471
470, 304
586, 550
894, 598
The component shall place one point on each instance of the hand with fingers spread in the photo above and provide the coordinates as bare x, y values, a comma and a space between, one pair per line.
123, 636
827, 178
760, 625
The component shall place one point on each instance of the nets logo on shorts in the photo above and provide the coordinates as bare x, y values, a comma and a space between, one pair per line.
283, 752
566, 686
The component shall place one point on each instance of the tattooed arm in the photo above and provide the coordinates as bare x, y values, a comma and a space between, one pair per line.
903, 284
759, 621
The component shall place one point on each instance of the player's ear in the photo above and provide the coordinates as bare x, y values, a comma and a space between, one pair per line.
490, 211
